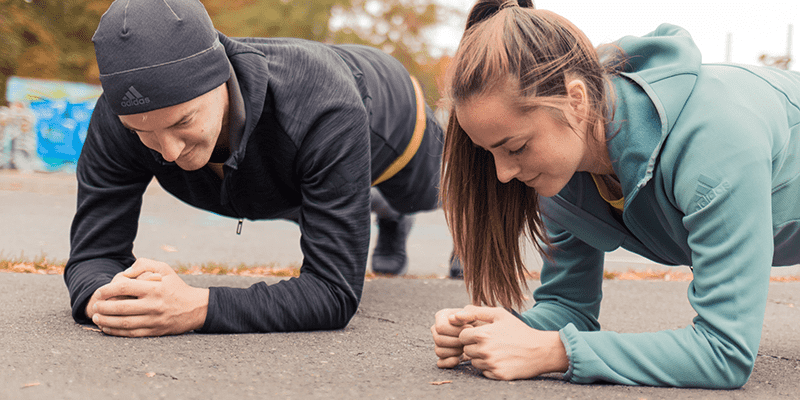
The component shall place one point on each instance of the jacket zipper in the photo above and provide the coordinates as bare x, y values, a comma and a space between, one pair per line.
224, 189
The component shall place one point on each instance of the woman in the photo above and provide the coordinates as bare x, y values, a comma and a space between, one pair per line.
638, 145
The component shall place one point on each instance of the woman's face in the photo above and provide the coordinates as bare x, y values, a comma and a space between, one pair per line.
534, 147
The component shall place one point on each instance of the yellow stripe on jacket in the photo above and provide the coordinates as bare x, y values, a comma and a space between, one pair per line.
414, 143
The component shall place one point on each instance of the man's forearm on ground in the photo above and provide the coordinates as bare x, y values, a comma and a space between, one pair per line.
305, 303
83, 279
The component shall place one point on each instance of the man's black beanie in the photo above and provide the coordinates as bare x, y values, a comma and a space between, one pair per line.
157, 53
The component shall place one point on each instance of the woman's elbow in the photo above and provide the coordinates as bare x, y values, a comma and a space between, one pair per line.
735, 374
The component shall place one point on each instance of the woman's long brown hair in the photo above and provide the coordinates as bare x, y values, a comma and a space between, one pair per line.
508, 44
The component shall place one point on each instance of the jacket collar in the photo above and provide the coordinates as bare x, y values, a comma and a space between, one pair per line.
659, 75
251, 78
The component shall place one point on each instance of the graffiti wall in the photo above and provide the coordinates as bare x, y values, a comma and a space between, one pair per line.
44, 126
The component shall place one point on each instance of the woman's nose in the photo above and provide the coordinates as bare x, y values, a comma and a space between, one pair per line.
506, 171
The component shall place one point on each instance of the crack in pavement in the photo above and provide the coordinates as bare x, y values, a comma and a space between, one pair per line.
376, 318
779, 357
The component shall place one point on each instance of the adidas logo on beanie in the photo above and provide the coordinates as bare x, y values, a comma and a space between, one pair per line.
134, 98
157, 53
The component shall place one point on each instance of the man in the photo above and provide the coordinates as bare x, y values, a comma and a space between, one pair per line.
18, 137
4, 154
247, 128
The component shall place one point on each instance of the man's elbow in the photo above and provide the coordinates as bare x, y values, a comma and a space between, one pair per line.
346, 308
348, 312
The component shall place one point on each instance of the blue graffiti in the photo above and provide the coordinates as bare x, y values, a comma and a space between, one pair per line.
61, 128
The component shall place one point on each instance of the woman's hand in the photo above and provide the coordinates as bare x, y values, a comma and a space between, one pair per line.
504, 347
447, 345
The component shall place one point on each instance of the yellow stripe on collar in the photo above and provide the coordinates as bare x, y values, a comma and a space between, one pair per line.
619, 204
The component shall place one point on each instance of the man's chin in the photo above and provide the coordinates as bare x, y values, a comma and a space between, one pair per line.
189, 165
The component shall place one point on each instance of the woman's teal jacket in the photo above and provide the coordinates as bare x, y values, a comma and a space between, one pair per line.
708, 156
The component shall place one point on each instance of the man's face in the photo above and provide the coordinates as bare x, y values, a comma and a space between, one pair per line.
185, 133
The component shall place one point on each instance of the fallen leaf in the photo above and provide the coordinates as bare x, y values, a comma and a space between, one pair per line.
150, 374
32, 384
440, 382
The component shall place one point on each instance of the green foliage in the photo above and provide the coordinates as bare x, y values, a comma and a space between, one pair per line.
397, 27
305, 19
49, 39
52, 38
394, 26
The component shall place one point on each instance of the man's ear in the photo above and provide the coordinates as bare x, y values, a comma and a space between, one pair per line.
578, 99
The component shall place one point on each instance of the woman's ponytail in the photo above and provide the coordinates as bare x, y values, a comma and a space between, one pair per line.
485, 9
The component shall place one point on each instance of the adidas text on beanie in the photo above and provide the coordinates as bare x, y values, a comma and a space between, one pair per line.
157, 53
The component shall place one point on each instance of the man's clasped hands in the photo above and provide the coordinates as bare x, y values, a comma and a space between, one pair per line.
150, 299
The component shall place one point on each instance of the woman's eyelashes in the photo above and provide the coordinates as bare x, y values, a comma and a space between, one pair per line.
519, 151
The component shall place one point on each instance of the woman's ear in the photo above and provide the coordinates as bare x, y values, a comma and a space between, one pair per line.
578, 99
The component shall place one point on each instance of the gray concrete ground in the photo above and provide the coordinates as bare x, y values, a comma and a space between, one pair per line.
385, 352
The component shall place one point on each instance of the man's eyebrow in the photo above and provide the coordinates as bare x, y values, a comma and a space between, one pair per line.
183, 119
127, 126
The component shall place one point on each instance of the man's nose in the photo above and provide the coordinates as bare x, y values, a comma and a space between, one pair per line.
170, 147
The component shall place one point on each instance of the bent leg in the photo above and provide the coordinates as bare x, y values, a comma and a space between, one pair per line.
414, 188
389, 256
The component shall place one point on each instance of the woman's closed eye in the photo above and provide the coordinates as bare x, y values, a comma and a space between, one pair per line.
518, 151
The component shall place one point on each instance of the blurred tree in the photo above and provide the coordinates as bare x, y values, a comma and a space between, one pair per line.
49, 39
780, 62
307, 19
398, 27
52, 38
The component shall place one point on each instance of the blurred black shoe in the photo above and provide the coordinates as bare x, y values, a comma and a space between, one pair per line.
389, 256
456, 270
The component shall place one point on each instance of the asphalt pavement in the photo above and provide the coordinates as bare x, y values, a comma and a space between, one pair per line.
386, 351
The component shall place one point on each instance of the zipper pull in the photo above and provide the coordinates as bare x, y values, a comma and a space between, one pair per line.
239, 227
